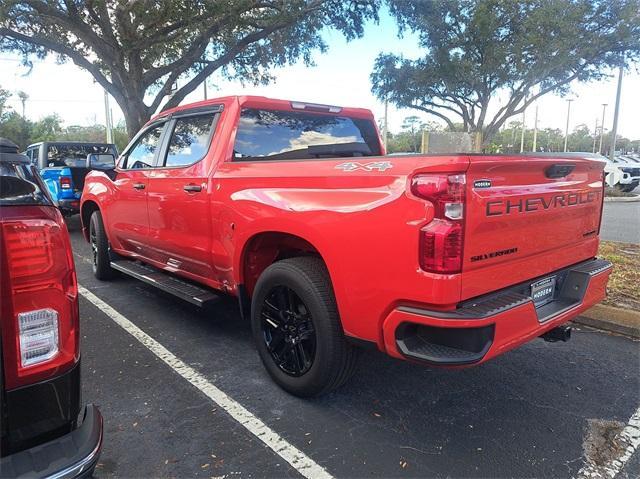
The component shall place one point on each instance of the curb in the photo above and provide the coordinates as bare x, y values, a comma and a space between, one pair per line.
610, 318
621, 199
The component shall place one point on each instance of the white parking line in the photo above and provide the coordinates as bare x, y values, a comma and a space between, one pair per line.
629, 439
298, 459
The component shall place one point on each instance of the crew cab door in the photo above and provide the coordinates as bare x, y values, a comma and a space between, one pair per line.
126, 217
178, 195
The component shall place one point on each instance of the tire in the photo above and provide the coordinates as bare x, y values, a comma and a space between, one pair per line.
627, 188
100, 259
328, 360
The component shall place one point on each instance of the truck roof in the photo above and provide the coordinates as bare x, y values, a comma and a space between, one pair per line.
264, 102
97, 143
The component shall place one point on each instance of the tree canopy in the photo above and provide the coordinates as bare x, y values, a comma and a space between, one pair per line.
485, 61
138, 50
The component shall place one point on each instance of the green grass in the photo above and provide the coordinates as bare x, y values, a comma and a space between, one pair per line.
624, 283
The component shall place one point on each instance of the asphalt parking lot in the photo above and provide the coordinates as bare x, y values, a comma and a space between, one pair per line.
528, 413
621, 221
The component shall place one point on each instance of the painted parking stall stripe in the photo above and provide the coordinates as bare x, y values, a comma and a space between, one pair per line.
629, 437
295, 457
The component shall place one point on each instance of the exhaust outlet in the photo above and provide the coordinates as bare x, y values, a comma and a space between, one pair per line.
561, 333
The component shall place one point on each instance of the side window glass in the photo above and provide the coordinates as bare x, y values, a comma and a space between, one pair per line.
35, 157
190, 140
142, 153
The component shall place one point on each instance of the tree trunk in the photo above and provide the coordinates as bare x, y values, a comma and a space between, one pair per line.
136, 114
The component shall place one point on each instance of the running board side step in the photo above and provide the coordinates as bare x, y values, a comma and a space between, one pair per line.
166, 282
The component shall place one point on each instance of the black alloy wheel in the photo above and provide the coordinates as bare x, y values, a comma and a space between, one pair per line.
288, 331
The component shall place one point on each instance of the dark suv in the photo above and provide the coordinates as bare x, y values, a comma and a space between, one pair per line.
44, 430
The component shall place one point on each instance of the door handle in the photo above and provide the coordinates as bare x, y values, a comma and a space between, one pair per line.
192, 188
139, 186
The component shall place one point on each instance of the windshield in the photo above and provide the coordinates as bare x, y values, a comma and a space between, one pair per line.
74, 154
270, 134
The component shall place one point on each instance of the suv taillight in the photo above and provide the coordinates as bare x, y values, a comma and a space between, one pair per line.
41, 298
65, 183
442, 239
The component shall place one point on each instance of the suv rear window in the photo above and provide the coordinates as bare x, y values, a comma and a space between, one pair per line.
280, 135
74, 154
20, 184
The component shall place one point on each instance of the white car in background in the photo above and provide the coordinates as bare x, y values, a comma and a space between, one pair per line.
623, 173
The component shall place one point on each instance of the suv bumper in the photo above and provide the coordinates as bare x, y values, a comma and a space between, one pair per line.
69, 206
484, 327
72, 455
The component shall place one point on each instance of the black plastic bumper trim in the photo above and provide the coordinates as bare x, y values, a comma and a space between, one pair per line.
444, 346
68, 204
42, 411
73, 455
571, 290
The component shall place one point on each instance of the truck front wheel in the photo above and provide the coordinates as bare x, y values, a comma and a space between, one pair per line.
297, 329
100, 260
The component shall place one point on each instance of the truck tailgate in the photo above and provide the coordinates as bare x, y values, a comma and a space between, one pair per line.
528, 216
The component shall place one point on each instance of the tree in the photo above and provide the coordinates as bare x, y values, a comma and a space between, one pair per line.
4, 96
23, 99
413, 126
47, 129
476, 50
139, 50
16, 128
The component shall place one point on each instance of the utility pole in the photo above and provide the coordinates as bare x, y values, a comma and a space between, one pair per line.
566, 128
535, 130
604, 107
614, 130
107, 116
522, 134
385, 132
595, 136
205, 88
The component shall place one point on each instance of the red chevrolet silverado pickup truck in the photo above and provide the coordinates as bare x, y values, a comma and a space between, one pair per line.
446, 260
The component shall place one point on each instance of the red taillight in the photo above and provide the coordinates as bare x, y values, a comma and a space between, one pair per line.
65, 183
39, 295
442, 239
28, 248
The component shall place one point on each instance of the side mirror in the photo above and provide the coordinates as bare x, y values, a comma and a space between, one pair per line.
101, 161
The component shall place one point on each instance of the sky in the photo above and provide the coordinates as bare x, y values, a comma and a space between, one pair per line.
340, 77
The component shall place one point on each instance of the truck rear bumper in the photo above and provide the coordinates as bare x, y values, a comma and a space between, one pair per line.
487, 326
73, 455
69, 206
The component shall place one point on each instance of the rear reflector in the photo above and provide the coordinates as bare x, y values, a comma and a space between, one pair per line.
38, 336
441, 247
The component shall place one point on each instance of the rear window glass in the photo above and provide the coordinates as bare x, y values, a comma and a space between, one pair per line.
20, 184
189, 140
275, 135
74, 155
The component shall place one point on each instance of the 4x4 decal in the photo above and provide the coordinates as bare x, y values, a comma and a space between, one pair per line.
374, 165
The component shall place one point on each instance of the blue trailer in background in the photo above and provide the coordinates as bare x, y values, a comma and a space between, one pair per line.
63, 166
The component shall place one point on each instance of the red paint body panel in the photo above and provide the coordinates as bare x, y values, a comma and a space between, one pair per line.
364, 224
